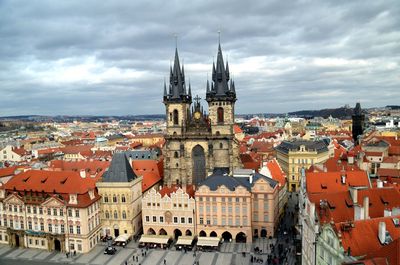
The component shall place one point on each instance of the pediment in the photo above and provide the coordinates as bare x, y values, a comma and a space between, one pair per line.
53, 202
14, 199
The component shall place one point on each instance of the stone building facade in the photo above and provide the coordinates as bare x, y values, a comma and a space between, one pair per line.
121, 192
197, 142
50, 210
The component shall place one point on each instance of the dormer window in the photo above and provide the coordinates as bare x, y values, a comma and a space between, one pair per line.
73, 199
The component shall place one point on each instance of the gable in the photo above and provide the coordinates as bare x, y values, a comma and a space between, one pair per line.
13, 199
53, 202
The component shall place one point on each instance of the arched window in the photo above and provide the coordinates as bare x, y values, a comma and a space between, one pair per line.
123, 198
107, 215
176, 154
123, 215
176, 117
220, 115
106, 198
170, 116
114, 198
115, 215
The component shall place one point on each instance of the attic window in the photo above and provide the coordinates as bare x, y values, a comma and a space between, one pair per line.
396, 222
26, 179
384, 201
323, 186
63, 181
44, 180
349, 204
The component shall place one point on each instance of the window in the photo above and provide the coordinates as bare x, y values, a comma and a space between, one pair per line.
40, 210
15, 208
30, 225
223, 209
28, 209
21, 224
182, 220
265, 217
237, 210
54, 211
190, 220
201, 220
107, 214
175, 219
56, 229
114, 198
69, 212
79, 247
147, 218
76, 213
106, 198
123, 215
115, 215
50, 228
161, 219
230, 209
78, 229
176, 117
223, 221
154, 219
220, 115
266, 206
176, 155
237, 221
62, 227
48, 211
208, 221
123, 199
214, 209
42, 242
71, 229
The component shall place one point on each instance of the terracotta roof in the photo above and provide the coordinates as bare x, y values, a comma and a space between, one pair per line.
388, 172
324, 182
389, 252
66, 182
276, 171
374, 154
20, 151
150, 170
75, 149
237, 129
362, 239
166, 191
262, 147
394, 150
372, 261
339, 206
9, 171
91, 167
391, 159
249, 162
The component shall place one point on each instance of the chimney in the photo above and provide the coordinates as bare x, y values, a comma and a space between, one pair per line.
354, 195
343, 179
366, 207
382, 232
350, 159
82, 173
379, 183
358, 212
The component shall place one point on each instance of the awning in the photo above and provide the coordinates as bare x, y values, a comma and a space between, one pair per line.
208, 241
156, 239
122, 238
185, 240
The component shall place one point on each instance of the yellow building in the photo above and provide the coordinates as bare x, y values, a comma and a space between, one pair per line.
295, 155
121, 192
169, 211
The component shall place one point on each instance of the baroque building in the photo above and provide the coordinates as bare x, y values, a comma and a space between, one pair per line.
197, 142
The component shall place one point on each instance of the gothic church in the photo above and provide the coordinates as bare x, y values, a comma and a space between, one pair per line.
197, 142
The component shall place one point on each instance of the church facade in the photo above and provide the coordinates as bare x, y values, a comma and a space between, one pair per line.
198, 142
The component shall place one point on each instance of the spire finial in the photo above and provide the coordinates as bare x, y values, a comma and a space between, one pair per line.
219, 37
176, 40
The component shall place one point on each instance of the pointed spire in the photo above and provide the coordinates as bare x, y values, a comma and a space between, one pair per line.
208, 87
165, 89
190, 89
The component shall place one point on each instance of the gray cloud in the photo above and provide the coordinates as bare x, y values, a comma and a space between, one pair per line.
111, 57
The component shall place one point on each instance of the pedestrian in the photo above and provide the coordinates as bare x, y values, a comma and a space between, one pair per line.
165, 262
126, 263
66, 254
137, 259
74, 252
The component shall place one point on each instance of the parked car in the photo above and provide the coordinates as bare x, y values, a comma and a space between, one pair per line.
110, 250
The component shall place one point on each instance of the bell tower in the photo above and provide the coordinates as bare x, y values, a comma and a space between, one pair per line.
221, 98
176, 99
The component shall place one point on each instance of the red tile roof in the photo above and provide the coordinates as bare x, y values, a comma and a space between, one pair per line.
374, 154
150, 170
372, 261
190, 190
237, 129
9, 171
388, 172
362, 239
391, 159
94, 167
324, 182
276, 171
394, 150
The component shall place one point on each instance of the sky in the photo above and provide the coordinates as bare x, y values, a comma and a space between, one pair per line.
111, 57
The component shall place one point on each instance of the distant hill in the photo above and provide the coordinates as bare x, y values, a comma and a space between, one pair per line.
340, 113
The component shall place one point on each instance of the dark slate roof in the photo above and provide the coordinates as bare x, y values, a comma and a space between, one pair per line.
319, 146
142, 154
220, 177
120, 170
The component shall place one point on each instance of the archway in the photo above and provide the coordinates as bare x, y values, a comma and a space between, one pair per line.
241, 238
213, 234
202, 233
263, 232
199, 164
151, 231
162, 232
17, 240
177, 233
188, 233
57, 245
227, 236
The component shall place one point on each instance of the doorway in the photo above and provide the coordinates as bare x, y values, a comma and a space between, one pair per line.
116, 232
17, 240
57, 245
199, 164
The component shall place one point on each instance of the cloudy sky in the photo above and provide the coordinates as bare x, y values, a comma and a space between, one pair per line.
111, 57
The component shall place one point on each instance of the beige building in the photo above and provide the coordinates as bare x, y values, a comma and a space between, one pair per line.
169, 211
237, 208
50, 210
121, 192
295, 155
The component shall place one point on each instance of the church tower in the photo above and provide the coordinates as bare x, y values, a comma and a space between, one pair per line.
358, 119
197, 142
